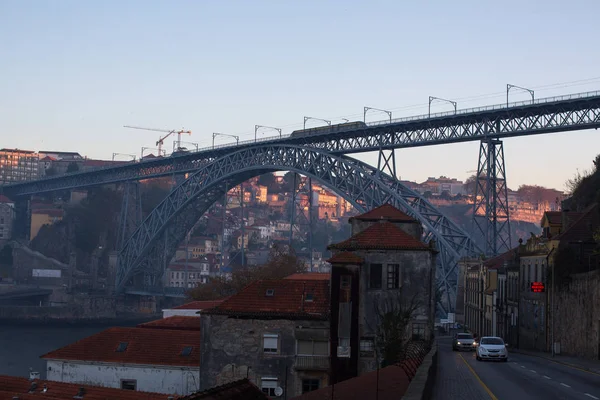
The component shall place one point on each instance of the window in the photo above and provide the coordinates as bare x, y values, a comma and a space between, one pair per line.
186, 351
129, 384
418, 331
308, 385
375, 276
270, 292
312, 348
393, 276
270, 343
122, 347
268, 386
308, 297
367, 347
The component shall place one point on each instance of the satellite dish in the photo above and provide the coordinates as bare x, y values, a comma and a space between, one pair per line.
278, 391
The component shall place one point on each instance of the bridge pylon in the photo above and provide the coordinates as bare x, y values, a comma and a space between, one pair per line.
302, 215
490, 208
131, 212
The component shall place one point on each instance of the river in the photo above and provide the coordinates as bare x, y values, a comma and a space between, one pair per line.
21, 345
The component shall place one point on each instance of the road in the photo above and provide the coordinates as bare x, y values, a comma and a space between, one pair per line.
460, 376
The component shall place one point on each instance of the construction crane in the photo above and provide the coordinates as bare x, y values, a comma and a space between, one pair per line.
160, 140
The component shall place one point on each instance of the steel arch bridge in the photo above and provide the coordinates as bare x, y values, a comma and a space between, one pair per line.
363, 186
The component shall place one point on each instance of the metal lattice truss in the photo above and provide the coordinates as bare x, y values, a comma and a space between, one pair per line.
360, 184
561, 114
490, 210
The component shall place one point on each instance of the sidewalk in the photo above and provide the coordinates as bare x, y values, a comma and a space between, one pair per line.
575, 362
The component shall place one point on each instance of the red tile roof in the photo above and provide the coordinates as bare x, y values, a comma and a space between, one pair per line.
17, 386
179, 322
392, 383
200, 305
582, 228
387, 212
286, 300
498, 261
144, 346
381, 236
237, 390
553, 217
345, 257
54, 212
4, 199
309, 276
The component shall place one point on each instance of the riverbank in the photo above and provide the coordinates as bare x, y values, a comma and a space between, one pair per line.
120, 320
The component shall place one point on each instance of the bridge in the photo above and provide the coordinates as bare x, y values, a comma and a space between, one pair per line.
324, 156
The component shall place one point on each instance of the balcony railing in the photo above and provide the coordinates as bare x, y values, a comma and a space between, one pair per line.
316, 363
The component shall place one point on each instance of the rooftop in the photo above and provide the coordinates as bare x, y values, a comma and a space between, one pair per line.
498, 261
178, 322
237, 390
199, 305
345, 257
278, 298
553, 217
381, 236
134, 346
582, 228
387, 212
11, 386
308, 276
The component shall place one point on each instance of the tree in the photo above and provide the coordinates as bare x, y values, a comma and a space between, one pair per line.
6, 255
393, 314
288, 181
470, 185
269, 180
72, 167
51, 171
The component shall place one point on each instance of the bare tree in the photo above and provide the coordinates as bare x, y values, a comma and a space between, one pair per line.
573, 183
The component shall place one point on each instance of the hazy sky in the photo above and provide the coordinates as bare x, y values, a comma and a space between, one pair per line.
73, 72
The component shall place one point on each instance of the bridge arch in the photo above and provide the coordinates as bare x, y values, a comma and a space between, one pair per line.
362, 185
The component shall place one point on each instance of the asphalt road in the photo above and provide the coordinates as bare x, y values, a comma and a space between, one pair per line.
461, 376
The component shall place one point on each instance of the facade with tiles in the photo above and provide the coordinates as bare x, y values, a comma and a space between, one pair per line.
141, 358
274, 332
382, 267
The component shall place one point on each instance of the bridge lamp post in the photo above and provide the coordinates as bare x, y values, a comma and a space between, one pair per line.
345, 119
133, 156
432, 98
509, 86
316, 119
257, 127
215, 134
389, 113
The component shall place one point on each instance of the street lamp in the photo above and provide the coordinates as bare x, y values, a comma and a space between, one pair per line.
509, 86
432, 98
122, 154
215, 134
389, 113
316, 119
257, 127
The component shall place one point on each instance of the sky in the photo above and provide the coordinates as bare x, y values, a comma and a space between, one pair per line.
72, 73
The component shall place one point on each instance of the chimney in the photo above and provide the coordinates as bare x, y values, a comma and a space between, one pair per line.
34, 375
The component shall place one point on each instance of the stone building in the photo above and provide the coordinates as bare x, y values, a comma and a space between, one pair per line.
7, 218
382, 267
274, 332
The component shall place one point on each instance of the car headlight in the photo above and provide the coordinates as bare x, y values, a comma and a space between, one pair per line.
474, 344
457, 342
482, 350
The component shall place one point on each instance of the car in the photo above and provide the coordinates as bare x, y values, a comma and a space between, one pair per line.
491, 348
464, 341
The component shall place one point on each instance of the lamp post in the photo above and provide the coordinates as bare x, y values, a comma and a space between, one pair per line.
509, 86
257, 127
122, 154
215, 134
316, 119
432, 98
389, 113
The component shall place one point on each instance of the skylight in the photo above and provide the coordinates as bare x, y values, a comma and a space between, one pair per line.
122, 347
186, 351
270, 292
309, 297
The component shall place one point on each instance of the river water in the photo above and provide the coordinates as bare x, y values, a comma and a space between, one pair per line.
21, 345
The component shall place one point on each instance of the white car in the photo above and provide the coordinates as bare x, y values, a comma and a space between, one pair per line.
491, 348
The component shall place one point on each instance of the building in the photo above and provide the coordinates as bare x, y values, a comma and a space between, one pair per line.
191, 309
41, 217
18, 165
14, 387
237, 390
175, 322
7, 217
274, 332
151, 360
383, 267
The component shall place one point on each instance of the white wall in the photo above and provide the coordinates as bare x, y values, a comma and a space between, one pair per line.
158, 379
169, 312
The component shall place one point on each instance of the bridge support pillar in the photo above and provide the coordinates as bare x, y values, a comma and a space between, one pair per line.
302, 214
490, 208
131, 212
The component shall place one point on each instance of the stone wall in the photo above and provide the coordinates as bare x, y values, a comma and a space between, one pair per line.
232, 349
577, 324
26, 260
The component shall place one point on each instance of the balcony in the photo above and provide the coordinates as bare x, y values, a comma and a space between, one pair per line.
313, 363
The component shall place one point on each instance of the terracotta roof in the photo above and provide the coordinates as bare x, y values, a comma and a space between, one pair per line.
179, 322
144, 346
387, 212
278, 298
498, 261
237, 390
581, 228
392, 383
199, 305
17, 386
309, 276
4, 199
381, 236
553, 217
54, 212
345, 257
